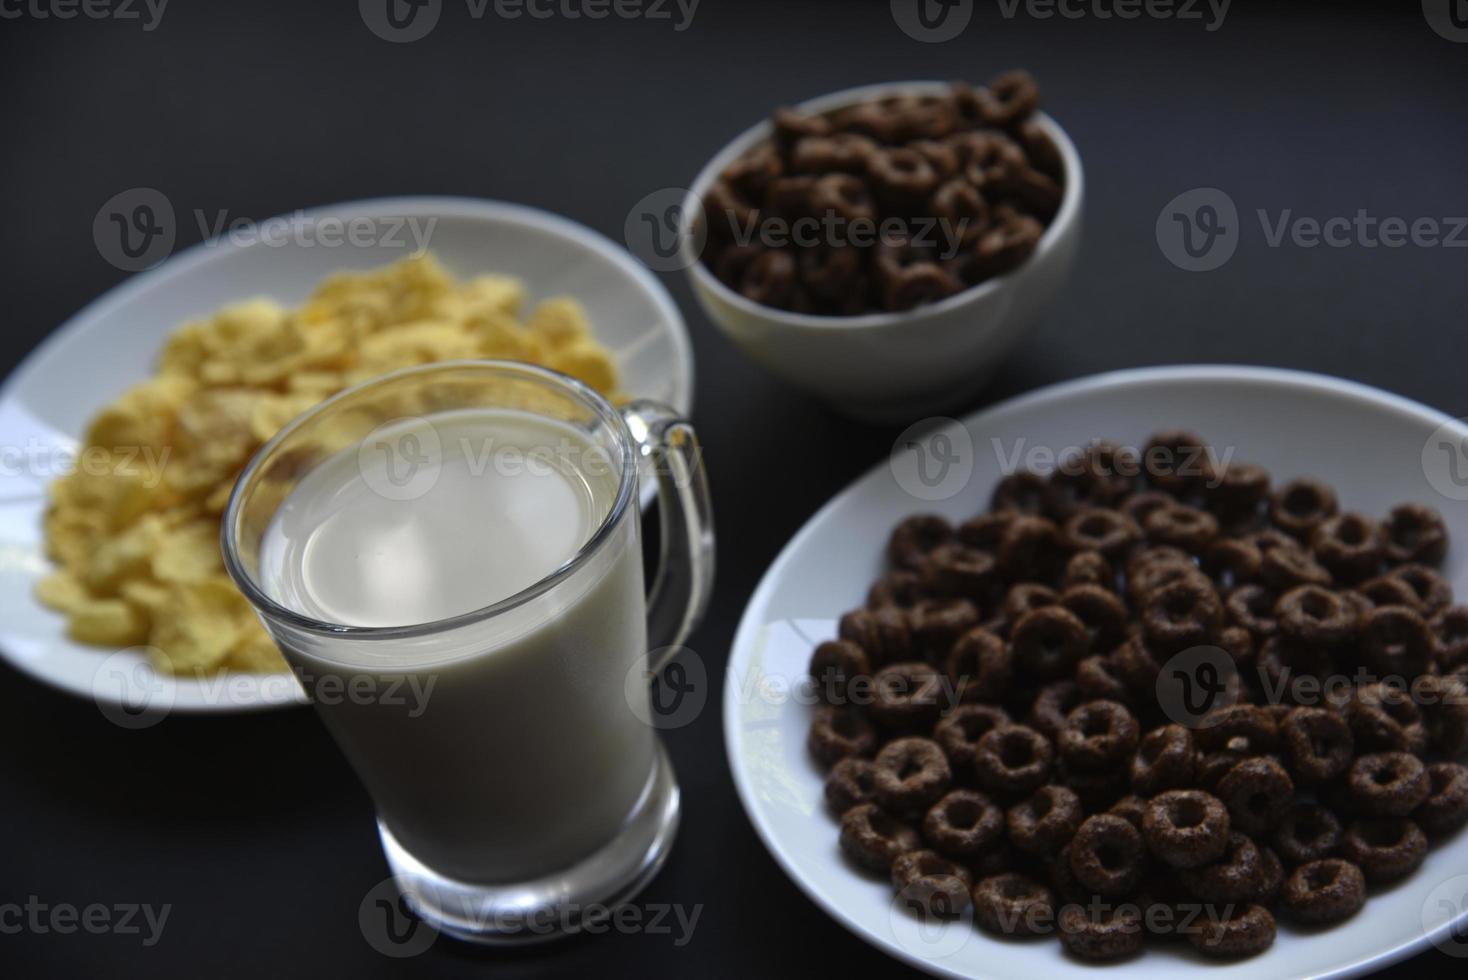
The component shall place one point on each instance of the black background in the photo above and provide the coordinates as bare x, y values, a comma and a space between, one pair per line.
253, 828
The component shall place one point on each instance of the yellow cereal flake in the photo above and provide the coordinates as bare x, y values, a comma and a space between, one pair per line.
189, 554
134, 529
107, 623
586, 362
560, 322
206, 621
255, 652
62, 591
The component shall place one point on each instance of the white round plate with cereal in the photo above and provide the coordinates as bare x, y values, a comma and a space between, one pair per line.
115, 342
1376, 449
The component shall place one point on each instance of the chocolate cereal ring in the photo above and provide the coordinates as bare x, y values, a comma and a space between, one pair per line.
1032, 549
1139, 505
1450, 632
1023, 492
1446, 806
1247, 932
980, 666
1242, 727
1092, 568
1166, 758
1052, 705
1388, 590
1045, 821
1180, 526
849, 784
1252, 607
1176, 460
1186, 828
959, 732
1102, 612
985, 531
1384, 848
963, 824
1106, 855
915, 538
1432, 590
1098, 680
936, 624
1101, 932
1318, 743
1312, 614
1395, 641
1182, 614
1257, 793
1110, 532
908, 696
1445, 712
833, 665
929, 884
1237, 876
1384, 718
1013, 905
1026, 597
884, 634
837, 732
874, 838
1098, 735
1414, 533
954, 569
1013, 760
1101, 474
1388, 784
1049, 642
1307, 832
1301, 505
899, 588
1130, 808
1348, 545
1232, 562
1325, 891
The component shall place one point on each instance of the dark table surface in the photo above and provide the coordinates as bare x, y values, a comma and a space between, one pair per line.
252, 829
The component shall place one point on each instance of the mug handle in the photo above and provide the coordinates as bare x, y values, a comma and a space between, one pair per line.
685, 577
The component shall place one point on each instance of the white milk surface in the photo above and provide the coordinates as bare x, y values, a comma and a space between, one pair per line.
415, 529
510, 750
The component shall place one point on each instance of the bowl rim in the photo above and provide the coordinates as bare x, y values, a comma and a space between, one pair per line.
740, 660
1065, 217
178, 265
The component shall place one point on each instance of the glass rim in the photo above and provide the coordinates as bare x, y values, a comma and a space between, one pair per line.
275, 611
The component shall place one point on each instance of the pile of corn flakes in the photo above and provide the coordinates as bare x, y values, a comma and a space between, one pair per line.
136, 538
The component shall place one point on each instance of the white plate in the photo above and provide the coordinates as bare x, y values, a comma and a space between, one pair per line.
113, 343
1377, 449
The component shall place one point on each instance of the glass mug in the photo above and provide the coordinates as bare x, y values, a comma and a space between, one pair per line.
517, 778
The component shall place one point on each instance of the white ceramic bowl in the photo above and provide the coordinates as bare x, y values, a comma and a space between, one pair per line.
114, 343
1377, 450
892, 366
